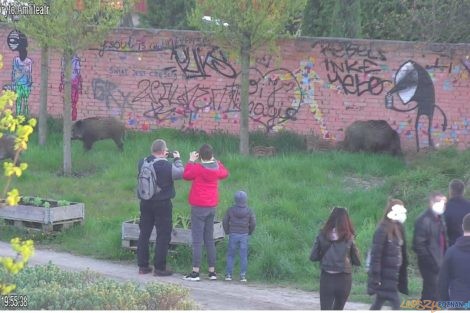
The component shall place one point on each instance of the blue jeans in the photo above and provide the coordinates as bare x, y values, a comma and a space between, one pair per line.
236, 241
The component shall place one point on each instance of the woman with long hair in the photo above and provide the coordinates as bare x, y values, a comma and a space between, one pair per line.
334, 248
388, 258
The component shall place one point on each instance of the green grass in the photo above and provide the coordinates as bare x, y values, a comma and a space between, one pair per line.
292, 195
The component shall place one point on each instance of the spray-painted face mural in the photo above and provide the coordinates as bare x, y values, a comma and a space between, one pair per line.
413, 83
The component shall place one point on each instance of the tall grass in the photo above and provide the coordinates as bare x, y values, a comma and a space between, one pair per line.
291, 194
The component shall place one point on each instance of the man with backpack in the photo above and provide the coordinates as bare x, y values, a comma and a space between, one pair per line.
155, 191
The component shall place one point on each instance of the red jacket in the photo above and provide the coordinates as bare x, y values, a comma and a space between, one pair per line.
205, 187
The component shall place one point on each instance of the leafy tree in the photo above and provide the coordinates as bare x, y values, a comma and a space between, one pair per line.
317, 18
69, 27
244, 26
167, 14
346, 19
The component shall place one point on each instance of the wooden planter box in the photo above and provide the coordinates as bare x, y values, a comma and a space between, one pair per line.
131, 231
54, 218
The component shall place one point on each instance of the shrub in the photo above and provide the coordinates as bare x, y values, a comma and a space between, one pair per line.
50, 288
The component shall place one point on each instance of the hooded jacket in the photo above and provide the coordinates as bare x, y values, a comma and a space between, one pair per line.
239, 218
454, 276
205, 187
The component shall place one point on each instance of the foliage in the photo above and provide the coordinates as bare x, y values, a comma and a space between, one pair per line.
12, 266
233, 21
50, 288
412, 20
14, 125
39, 202
167, 14
346, 19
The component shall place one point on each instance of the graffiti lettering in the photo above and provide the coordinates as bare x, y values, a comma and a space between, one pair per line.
141, 45
275, 98
345, 49
264, 60
193, 64
347, 74
168, 72
108, 92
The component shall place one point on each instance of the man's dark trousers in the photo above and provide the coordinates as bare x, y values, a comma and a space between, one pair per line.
430, 276
158, 214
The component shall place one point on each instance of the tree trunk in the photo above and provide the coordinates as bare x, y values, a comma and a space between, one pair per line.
67, 113
42, 123
245, 97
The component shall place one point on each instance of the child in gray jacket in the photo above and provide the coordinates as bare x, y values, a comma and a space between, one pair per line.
239, 223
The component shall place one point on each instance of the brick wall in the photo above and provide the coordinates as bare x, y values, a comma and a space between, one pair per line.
160, 78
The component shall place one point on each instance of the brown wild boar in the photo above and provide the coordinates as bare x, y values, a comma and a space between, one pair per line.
93, 129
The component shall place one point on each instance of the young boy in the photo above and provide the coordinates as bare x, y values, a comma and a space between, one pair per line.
239, 222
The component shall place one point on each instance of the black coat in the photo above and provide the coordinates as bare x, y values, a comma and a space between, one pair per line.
454, 276
456, 209
335, 255
388, 264
426, 240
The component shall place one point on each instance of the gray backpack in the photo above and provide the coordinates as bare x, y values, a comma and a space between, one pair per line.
147, 185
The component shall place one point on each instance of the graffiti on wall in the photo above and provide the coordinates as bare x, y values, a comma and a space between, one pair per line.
413, 83
194, 62
21, 76
137, 45
274, 99
76, 83
354, 68
108, 92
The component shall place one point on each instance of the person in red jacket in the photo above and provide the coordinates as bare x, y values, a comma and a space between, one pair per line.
203, 198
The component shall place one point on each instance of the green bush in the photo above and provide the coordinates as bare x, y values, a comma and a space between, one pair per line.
50, 288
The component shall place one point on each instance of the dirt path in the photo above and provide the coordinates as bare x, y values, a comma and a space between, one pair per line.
209, 295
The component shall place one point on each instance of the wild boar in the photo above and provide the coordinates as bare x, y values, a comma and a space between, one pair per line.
372, 136
7, 147
93, 129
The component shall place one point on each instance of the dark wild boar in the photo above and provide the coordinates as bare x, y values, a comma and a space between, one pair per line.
93, 129
7, 147
372, 136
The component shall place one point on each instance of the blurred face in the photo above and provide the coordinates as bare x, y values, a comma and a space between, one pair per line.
438, 205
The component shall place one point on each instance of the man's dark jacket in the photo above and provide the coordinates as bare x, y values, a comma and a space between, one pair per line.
426, 240
454, 276
456, 209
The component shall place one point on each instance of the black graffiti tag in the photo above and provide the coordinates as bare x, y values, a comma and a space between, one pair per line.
355, 76
193, 64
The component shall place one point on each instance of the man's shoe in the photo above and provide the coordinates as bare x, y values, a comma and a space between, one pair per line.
145, 270
212, 275
162, 273
228, 277
194, 276
243, 278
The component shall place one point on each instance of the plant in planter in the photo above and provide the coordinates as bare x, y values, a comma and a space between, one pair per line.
43, 214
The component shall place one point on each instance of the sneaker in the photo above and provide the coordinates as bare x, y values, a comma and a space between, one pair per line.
145, 270
228, 277
162, 273
212, 275
243, 278
194, 276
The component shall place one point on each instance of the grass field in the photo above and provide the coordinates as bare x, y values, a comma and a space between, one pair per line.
292, 195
